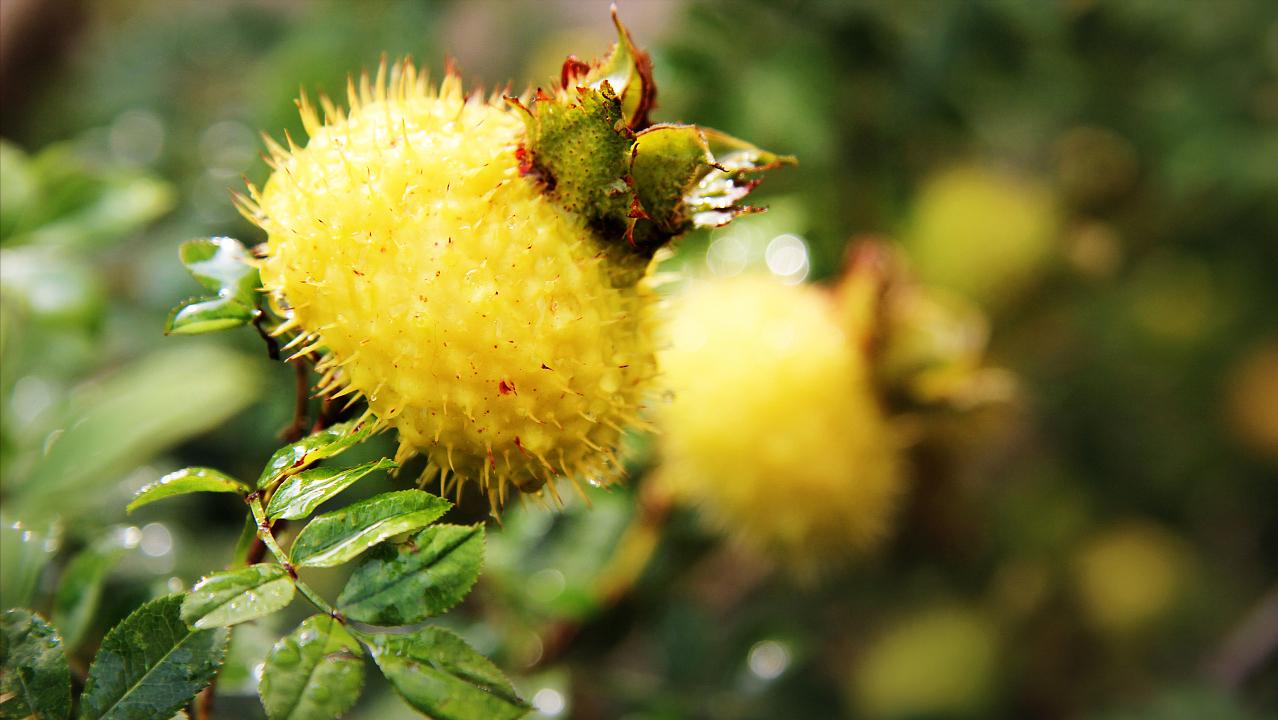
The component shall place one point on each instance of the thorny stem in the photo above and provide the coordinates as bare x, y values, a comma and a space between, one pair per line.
328, 412
295, 431
268, 540
272, 347
204, 701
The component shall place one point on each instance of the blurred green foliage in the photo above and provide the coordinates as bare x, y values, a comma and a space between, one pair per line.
1151, 126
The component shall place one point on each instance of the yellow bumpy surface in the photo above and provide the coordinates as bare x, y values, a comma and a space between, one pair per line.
476, 317
773, 430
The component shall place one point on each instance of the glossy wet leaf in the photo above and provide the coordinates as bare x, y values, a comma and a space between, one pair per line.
300, 494
326, 443
204, 315
407, 582
222, 265
238, 596
80, 588
34, 679
151, 664
336, 537
315, 672
443, 677
184, 481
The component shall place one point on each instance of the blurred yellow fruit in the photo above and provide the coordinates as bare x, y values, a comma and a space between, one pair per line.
475, 315
1129, 576
773, 430
1253, 400
984, 233
941, 662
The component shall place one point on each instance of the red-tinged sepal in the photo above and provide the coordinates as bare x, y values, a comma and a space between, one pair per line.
627, 70
637, 186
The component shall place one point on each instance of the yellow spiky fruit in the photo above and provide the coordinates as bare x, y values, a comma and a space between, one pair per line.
476, 316
773, 430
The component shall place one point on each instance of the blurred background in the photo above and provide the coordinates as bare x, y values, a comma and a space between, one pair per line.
1099, 178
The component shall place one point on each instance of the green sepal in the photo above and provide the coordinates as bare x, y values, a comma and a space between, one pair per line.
578, 146
637, 186
628, 71
692, 177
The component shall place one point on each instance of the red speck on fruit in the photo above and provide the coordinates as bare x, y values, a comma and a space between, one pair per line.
520, 446
525, 160
506, 388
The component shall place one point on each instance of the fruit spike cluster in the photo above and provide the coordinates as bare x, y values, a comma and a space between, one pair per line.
471, 270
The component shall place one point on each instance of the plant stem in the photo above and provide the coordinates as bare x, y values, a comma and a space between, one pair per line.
268, 539
297, 429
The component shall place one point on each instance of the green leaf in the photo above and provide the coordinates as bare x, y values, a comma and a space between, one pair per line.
313, 673
166, 397
222, 265
408, 582
80, 588
237, 596
151, 664
34, 679
326, 443
184, 481
205, 315
443, 677
300, 494
336, 537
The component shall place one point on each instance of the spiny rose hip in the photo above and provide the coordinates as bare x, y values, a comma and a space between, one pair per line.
454, 261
